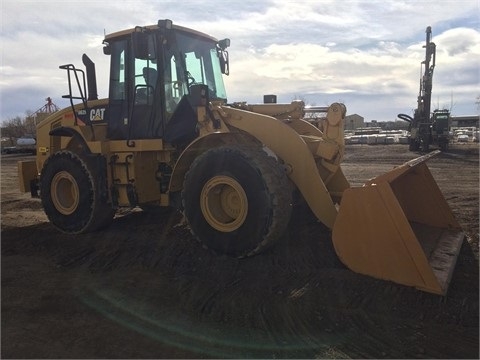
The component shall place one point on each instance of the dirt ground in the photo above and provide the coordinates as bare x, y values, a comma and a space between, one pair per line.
143, 288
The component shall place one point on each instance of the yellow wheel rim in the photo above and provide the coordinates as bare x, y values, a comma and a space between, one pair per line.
224, 203
65, 193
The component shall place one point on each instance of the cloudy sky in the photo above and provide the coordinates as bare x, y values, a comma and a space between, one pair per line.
365, 53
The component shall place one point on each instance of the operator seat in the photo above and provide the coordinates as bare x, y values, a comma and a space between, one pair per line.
150, 76
145, 94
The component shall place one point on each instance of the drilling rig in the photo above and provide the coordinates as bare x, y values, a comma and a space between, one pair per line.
426, 128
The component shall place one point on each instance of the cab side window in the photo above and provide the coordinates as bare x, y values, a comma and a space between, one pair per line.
117, 79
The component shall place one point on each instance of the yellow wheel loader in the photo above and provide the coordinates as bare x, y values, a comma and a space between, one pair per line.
166, 136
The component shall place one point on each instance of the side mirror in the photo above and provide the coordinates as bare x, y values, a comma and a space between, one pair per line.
224, 63
107, 50
140, 45
223, 55
223, 44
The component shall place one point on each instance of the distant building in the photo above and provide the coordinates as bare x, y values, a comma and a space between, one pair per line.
465, 121
354, 121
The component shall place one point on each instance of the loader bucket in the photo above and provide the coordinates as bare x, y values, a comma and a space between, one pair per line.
399, 227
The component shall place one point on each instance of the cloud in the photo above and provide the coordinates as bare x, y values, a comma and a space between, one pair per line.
366, 53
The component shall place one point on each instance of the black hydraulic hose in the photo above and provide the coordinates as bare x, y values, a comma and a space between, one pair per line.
405, 117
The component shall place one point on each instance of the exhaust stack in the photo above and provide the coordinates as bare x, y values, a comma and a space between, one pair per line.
91, 78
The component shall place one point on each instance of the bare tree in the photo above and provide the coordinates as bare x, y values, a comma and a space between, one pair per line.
17, 127
30, 124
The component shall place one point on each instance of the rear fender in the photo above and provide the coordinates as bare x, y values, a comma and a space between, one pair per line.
198, 147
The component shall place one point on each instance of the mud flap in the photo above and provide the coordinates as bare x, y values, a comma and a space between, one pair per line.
399, 227
27, 174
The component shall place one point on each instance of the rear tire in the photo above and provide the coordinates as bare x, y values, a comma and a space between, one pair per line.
443, 145
413, 145
425, 145
237, 200
71, 196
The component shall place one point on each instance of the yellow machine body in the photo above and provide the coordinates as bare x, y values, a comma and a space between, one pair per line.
399, 227
396, 227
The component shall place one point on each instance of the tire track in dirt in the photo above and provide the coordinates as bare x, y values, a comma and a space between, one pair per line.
297, 300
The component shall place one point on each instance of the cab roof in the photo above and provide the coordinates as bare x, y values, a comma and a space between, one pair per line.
126, 32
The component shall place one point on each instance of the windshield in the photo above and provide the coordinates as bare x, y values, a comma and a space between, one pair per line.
200, 64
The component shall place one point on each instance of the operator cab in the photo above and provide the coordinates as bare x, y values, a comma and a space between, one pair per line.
158, 76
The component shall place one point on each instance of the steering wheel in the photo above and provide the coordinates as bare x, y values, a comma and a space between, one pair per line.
190, 79
176, 85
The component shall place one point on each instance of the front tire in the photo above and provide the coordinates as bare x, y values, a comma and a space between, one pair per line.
71, 194
237, 200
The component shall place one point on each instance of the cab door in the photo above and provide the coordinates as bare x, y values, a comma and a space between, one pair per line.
135, 99
118, 91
